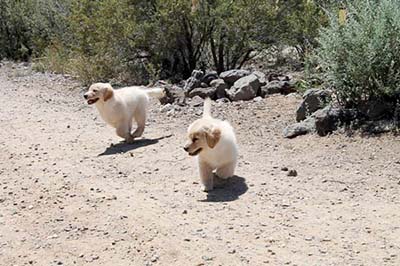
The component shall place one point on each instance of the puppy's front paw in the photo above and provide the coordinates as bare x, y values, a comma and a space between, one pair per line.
207, 188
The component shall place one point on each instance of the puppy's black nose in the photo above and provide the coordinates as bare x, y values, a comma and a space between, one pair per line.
85, 96
186, 148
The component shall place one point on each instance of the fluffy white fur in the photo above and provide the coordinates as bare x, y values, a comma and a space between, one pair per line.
214, 142
120, 107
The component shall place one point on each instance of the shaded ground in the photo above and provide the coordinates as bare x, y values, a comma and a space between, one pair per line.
71, 194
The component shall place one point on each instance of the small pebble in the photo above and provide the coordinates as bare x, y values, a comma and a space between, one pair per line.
292, 173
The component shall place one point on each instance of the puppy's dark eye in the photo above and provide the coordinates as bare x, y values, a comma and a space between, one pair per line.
94, 90
195, 139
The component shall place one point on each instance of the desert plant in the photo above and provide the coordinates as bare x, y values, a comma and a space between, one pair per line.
360, 58
27, 27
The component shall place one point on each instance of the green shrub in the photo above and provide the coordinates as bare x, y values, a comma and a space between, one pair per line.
134, 41
28, 26
360, 59
301, 23
53, 59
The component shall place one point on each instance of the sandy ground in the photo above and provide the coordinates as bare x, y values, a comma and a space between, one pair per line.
72, 194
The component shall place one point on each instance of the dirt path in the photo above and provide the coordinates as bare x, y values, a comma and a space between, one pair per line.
67, 197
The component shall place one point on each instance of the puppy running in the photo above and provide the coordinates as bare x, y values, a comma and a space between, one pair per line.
214, 142
120, 107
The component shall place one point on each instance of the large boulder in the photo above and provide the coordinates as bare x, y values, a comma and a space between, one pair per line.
330, 118
192, 83
209, 77
261, 77
244, 89
327, 120
220, 86
197, 74
313, 100
231, 76
172, 94
301, 128
277, 86
203, 92
323, 121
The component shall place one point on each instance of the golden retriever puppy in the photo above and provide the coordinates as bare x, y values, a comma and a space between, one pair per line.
120, 107
214, 142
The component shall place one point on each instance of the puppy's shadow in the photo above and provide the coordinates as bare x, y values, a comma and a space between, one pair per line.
232, 190
124, 147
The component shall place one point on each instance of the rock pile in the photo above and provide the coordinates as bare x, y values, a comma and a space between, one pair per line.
232, 85
316, 114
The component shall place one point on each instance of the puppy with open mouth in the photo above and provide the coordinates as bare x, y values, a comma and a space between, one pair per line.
214, 142
119, 108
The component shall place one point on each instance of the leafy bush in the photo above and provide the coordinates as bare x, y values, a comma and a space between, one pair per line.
301, 24
28, 26
360, 60
134, 41
162, 38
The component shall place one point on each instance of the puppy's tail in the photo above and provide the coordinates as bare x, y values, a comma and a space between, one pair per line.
207, 108
156, 92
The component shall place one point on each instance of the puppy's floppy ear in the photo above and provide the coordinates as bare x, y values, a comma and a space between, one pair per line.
212, 137
109, 93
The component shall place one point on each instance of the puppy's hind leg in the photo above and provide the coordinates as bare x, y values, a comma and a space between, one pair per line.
226, 171
206, 176
140, 118
124, 131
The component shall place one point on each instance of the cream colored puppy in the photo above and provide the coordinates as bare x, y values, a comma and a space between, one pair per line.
120, 107
214, 142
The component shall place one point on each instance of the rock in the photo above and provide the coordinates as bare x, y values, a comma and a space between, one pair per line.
223, 100
376, 110
52, 236
258, 99
293, 95
172, 94
261, 77
244, 89
191, 83
197, 74
203, 92
154, 258
273, 76
379, 127
221, 87
203, 85
206, 258
232, 251
209, 77
166, 108
292, 173
284, 78
313, 100
285, 169
277, 86
231, 76
327, 120
301, 128
196, 101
